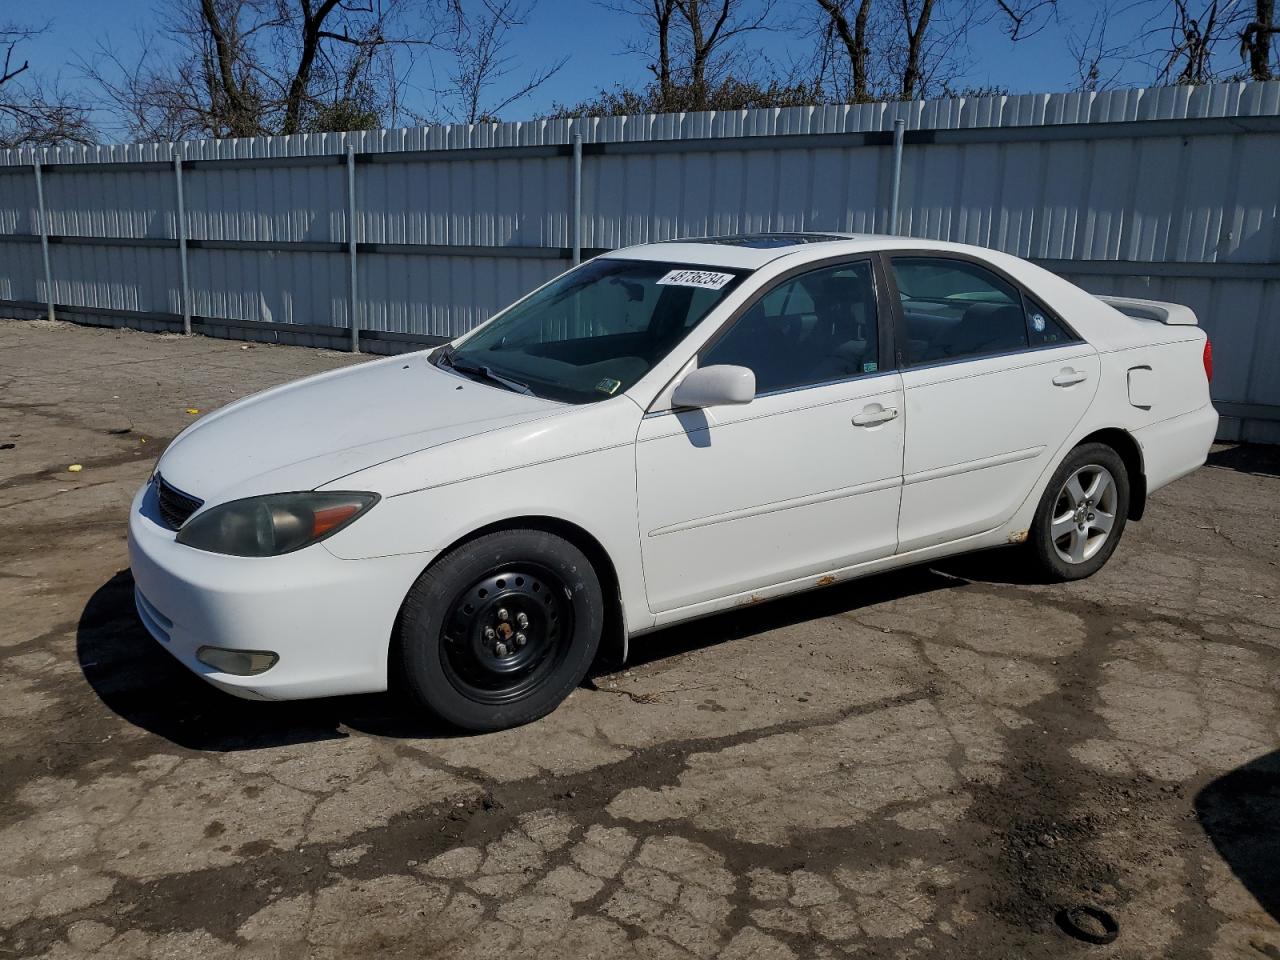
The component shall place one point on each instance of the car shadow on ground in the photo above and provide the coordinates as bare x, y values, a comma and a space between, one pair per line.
134, 676
997, 566
140, 682
1240, 812
1255, 459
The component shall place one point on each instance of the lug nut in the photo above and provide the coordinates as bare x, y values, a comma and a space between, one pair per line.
500, 649
521, 639
502, 613
522, 621
489, 633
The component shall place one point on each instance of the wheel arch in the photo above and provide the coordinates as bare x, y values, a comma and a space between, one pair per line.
1130, 451
615, 638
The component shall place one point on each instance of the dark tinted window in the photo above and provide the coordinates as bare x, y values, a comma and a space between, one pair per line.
954, 309
1042, 329
814, 328
595, 330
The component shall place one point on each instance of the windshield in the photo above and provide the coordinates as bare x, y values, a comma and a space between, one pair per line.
593, 332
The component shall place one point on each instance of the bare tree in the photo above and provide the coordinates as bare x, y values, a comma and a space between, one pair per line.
247, 67
695, 47
915, 25
663, 10
1192, 38
1256, 39
1097, 61
234, 96
861, 49
653, 39
930, 39
712, 27
1020, 16
852, 36
33, 112
909, 48
935, 29
311, 21
359, 29
1187, 41
478, 44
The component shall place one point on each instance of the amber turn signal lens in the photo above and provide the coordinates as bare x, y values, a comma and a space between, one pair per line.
327, 518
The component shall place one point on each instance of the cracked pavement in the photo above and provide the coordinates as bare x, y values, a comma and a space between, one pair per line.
928, 763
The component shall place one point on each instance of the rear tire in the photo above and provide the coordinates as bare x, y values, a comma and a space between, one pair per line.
1082, 513
500, 630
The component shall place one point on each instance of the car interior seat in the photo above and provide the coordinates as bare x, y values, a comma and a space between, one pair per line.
984, 328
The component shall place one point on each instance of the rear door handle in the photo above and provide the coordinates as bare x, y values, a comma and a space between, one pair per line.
1069, 378
874, 414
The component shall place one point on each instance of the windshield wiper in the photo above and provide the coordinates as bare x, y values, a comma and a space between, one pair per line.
447, 358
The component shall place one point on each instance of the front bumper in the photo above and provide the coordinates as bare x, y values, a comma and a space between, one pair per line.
329, 620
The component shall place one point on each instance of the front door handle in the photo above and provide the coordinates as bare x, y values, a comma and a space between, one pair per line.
874, 414
1069, 378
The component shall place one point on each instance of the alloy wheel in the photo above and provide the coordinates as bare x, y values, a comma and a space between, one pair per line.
1084, 513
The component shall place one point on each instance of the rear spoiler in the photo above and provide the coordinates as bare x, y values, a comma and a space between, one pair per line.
1168, 313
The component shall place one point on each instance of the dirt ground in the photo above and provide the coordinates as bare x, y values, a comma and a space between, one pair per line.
930, 763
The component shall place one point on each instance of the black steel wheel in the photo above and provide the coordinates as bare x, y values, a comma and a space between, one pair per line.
502, 629
507, 632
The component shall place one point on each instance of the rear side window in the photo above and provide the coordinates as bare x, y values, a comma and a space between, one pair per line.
1042, 329
954, 309
815, 328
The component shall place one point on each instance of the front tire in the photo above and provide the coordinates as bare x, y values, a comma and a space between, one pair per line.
1082, 513
500, 630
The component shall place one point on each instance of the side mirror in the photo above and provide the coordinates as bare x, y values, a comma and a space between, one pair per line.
715, 386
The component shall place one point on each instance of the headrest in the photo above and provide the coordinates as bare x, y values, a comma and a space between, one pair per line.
845, 289
987, 326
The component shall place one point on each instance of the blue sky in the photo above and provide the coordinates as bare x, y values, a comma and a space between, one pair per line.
592, 36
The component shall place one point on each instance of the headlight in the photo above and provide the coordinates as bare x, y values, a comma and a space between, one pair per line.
274, 524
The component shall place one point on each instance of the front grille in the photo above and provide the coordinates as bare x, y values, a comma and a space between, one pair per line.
175, 506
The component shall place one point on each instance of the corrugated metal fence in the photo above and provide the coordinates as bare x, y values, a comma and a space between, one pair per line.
1169, 193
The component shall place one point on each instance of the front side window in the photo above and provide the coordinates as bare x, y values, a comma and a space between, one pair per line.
594, 331
814, 328
954, 309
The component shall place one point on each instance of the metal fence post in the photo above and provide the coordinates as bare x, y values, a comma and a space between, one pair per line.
577, 199
351, 243
44, 233
899, 129
181, 227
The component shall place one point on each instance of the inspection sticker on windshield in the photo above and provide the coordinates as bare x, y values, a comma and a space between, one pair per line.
696, 278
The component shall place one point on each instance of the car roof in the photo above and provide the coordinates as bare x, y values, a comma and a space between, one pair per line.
750, 251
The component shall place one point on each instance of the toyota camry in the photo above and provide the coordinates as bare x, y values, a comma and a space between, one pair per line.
661, 433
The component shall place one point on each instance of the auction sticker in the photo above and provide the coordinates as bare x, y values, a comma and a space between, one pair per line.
704, 279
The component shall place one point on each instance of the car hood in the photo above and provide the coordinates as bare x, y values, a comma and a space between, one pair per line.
314, 431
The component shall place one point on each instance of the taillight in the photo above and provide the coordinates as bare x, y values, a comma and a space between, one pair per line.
1208, 360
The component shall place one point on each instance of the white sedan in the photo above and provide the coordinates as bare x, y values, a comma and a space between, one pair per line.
664, 432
